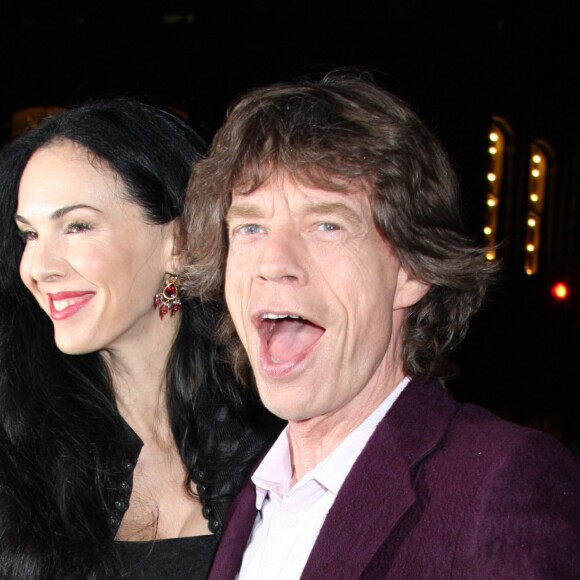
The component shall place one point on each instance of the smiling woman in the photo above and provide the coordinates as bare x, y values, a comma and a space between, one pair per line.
87, 249
122, 440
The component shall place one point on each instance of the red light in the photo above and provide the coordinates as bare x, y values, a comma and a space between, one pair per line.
560, 291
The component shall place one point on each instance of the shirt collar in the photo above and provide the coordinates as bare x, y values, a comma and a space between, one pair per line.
275, 471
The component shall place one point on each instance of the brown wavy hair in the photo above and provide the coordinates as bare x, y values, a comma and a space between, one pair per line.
345, 133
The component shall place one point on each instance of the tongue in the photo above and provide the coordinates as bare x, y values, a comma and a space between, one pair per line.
290, 338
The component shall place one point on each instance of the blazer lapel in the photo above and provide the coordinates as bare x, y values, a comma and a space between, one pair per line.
379, 489
241, 517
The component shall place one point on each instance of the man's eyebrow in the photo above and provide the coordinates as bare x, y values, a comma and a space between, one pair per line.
60, 212
253, 211
245, 211
332, 208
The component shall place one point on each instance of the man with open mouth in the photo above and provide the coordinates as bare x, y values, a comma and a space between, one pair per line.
327, 215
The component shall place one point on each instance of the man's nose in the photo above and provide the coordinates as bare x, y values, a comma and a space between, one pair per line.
283, 258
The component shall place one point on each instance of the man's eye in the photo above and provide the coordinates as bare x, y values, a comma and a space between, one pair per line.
249, 229
327, 227
77, 227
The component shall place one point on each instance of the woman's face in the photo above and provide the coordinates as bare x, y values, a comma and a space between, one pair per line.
90, 259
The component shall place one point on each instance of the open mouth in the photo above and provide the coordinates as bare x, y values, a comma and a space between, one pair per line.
287, 338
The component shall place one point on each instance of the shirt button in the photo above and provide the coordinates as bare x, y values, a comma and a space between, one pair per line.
289, 520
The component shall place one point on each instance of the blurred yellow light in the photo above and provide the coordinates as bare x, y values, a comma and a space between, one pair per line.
490, 256
532, 222
487, 230
529, 271
491, 176
536, 158
534, 197
491, 202
530, 247
493, 136
492, 150
536, 172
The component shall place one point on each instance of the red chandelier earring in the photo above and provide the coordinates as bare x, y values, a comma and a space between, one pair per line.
168, 300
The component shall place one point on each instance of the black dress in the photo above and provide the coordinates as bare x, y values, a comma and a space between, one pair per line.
226, 449
30, 549
171, 559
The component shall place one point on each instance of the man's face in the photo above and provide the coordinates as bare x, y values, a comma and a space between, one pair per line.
317, 298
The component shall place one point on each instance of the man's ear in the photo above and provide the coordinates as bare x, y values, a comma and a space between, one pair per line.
409, 290
175, 241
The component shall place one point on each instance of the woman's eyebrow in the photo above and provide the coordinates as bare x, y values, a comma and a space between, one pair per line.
60, 212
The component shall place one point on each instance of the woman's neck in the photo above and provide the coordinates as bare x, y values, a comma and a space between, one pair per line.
138, 371
144, 407
161, 506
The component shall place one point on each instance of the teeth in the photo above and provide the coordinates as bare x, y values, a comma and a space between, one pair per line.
270, 316
60, 305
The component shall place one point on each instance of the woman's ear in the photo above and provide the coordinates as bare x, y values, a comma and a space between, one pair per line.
175, 246
409, 290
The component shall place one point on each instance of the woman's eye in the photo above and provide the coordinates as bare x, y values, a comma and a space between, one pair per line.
27, 236
77, 227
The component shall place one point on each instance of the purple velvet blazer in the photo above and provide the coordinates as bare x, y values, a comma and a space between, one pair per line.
441, 490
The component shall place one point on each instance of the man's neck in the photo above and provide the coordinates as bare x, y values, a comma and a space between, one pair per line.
313, 440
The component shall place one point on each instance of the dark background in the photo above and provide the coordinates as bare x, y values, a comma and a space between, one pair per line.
457, 63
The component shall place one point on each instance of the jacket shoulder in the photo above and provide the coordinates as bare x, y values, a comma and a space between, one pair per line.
516, 495
492, 499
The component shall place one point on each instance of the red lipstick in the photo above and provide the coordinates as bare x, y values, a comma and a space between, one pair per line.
66, 304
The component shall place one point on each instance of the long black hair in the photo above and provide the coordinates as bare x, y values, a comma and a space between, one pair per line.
61, 435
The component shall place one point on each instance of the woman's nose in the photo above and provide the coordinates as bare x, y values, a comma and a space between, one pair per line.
43, 259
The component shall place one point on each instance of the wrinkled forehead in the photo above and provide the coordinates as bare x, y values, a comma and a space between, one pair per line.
287, 194
251, 178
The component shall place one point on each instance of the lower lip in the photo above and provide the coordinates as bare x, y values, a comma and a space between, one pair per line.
69, 310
